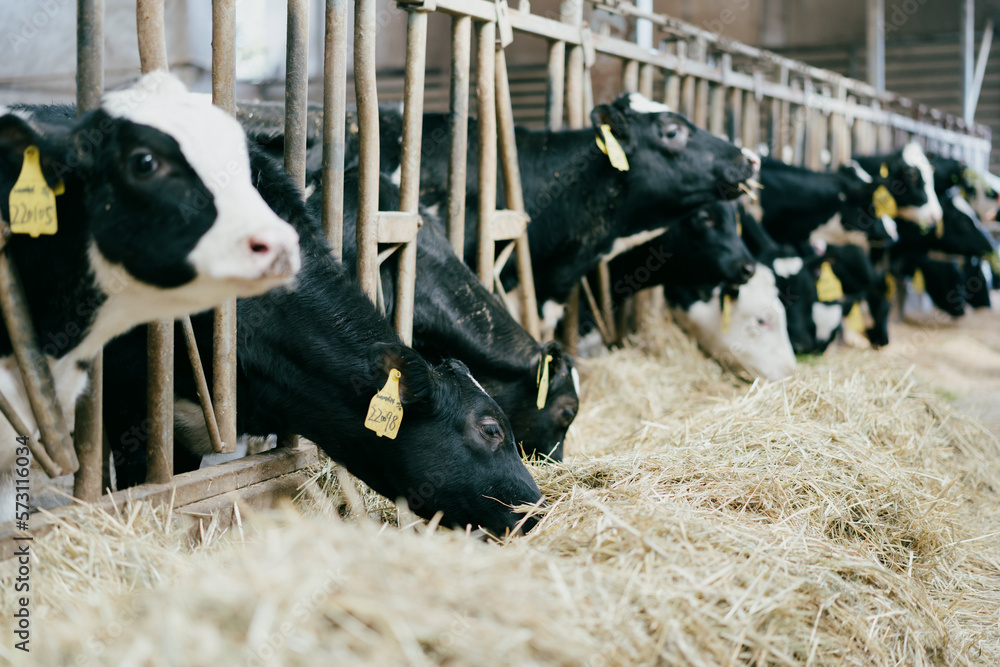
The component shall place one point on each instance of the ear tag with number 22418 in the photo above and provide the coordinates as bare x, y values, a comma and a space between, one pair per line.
385, 412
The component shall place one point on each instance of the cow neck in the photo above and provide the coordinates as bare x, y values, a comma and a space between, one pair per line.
468, 323
574, 197
55, 273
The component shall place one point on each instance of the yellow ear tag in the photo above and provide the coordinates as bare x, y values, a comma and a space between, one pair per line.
385, 412
885, 203
939, 230
611, 147
918, 282
727, 313
884, 170
890, 286
543, 381
32, 201
828, 287
855, 322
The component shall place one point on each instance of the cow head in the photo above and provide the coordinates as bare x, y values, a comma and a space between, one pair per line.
711, 247
756, 338
673, 165
541, 431
158, 193
909, 177
455, 452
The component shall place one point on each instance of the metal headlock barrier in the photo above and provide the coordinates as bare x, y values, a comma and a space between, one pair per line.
753, 97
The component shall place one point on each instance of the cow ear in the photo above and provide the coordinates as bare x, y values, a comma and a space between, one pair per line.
17, 134
612, 116
416, 382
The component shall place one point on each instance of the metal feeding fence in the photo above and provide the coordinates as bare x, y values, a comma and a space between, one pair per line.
755, 98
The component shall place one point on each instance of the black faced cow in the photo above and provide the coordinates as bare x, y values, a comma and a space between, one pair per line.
155, 216
909, 178
455, 316
578, 202
311, 359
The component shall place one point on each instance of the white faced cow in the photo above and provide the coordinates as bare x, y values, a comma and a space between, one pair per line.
156, 217
750, 334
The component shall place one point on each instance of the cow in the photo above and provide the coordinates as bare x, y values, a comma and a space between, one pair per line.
942, 278
155, 216
959, 231
796, 202
909, 178
743, 327
310, 361
455, 316
579, 203
701, 248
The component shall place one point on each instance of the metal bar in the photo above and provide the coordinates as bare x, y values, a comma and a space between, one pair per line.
152, 40
152, 35
37, 450
365, 28
486, 105
334, 123
977, 82
555, 85
89, 54
458, 130
89, 431
35, 372
409, 183
296, 89
160, 403
968, 38
875, 55
201, 385
515, 195
630, 76
224, 325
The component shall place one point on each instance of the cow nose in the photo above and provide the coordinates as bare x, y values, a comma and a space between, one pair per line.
747, 271
271, 255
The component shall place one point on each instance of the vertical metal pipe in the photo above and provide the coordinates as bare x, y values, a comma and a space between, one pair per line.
630, 76
875, 12
152, 35
224, 327
409, 177
515, 195
296, 89
89, 435
486, 105
555, 85
334, 123
458, 130
968, 41
365, 27
35, 372
160, 403
151, 32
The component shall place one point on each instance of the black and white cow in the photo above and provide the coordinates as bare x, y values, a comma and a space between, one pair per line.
157, 218
795, 202
578, 202
743, 327
310, 360
944, 280
455, 316
909, 179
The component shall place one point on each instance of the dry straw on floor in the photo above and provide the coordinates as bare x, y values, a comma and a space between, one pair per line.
844, 517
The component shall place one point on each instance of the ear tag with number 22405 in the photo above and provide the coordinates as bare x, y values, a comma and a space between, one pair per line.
32, 201
385, 412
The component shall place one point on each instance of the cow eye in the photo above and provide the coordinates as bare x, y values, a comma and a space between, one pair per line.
143, 164
491, 429
671, 132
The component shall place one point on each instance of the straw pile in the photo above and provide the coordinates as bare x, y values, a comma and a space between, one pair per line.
844, 517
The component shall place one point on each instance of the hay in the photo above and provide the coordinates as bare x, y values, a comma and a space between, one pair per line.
845, 516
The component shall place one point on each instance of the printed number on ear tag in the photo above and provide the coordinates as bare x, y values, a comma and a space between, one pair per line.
385, 412
543, 381
727, 313
610, 147
828, 287
32, 201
